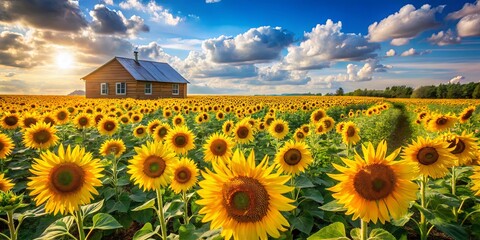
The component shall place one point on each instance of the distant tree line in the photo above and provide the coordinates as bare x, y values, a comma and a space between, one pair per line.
468, 90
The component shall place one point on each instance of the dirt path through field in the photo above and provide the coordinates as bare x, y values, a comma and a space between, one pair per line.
403, 130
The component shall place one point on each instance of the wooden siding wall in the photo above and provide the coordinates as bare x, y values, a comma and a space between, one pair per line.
114, 72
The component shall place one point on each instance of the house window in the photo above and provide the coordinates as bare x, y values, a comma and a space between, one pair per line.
175, 90
148, 88
103, 88
121, 88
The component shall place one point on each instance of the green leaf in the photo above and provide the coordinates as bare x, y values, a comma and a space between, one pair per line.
333, 231
403, 220
452, 230
187, 232
428, 214
380, 234
314, 195
355, 233
92, 208
304, 222
333, 206
444, 199
105, 221
145, 232
37, 212
303, 182
150, 204
57, 229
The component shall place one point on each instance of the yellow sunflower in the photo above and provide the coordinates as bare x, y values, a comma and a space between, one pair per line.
140, 131
317, 115
180, 139
83, 120
218, 146
245, 200
40, 136
350, 133
375, 187
441, 122
61, 116
65, 181
278, 128
293, 158
136, 117
433, 157
227, 127
476, 180
10, 121
185, 175
339, 127
328, 123
28, 119
178, 120
6, 145
466, 114
220, 115
161, 131
243, 133
152, 125
463, 146
113, 146
299, 135
5, 183
107, 126
152, 166
48, 118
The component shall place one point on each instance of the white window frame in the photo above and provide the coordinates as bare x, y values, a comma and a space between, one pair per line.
175, 89
118, 86
103, 86
148, 88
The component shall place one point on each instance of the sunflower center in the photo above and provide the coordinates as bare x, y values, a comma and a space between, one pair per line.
427, 155
152, 127
300, 135
442, 121
242, 132
269, 121
279, 128
162, 132
306, 129
42, 136
459, 146
109, 126
375, 182
11, 120
182, 175
83, 121
140, 131
136, 118
180, 140
113, 149
218, 147
61, 116
292, 157
178, 121
29, 121
49, 120
245, 199
98, 118
228, 127
67, 177
350, 131
318, 116
154, 166
467, 115
327, 124
1, 146
220, 115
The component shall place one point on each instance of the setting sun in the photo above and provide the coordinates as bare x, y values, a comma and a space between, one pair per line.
64, 60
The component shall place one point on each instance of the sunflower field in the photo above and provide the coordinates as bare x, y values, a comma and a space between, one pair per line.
239, 167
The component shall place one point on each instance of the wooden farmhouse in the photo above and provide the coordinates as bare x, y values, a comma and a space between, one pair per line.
133, 78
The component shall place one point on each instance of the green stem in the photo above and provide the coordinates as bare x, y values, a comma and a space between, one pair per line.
5, 236
11, 225
114, 176
454, 186
79, 218
163, 224
185, 208
423, 222
363, 230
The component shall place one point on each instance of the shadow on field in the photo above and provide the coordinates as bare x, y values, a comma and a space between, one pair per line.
403, 130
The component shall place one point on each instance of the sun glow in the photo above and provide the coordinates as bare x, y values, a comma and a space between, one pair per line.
64, 60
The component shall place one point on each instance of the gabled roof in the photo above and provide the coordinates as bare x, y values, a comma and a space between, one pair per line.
148, 71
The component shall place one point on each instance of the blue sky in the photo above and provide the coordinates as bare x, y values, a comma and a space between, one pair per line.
242, 47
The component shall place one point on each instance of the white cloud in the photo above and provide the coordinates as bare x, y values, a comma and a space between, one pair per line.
157, 12
108, 21
326, 43
400, 41
390, 53
182, 44
256, 45
444, 38
468, 9
469, 25
10, 74
407, 23
413, 52
212, 1
108, 2
456, 79
155, 52
275, 74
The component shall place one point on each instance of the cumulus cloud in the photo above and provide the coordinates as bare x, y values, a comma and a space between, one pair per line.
413, 52
407, 23
155, 52
256, 45
60, 15
18, 51
275, 74
469, 25
444, 38
108, 21
326, 43
390, 53
212, 1
468, 9
456, 79
157, 12
10, 74
108, 2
